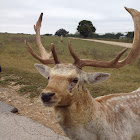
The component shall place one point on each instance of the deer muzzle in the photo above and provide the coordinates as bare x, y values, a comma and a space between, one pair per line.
47, 97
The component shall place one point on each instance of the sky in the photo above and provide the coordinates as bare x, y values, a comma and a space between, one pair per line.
19, 16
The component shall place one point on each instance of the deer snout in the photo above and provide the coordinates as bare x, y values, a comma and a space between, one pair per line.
46, 97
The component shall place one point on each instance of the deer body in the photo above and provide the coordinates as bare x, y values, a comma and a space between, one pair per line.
111, 117
101, 118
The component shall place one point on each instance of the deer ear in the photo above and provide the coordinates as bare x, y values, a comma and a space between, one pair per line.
43, 70
94, 78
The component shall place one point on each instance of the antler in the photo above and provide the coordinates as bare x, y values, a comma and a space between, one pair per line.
45, 56
133, 54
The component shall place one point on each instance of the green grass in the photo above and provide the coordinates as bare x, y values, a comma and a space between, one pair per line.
32, 89
16, 61
126, 40
3, 83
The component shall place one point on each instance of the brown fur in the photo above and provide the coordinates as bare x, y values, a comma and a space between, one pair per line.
100, 118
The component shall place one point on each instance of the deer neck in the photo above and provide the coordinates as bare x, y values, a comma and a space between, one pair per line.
82, 109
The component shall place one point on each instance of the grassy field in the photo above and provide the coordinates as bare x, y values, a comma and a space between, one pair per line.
17, 63
117, 40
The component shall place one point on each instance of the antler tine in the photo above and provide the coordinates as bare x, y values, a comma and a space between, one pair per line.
42, 50
77, 60
135, 50
133, 54
94, 63
54, 54
44, 61
45, 57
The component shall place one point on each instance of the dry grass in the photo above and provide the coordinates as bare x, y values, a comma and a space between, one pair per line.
15, 60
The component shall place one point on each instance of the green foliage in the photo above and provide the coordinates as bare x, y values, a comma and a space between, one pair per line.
62, 32
118, 35
47, 34
28, 88
109, 35
130, 35
3, 83
86, 28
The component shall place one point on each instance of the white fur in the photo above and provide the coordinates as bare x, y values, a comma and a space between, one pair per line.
43, 70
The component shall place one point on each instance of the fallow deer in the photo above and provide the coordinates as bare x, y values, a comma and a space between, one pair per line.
82, 117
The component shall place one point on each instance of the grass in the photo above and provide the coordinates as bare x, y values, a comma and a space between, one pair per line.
126, 40
16, 61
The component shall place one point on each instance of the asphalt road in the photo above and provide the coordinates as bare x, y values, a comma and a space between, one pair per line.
15, 127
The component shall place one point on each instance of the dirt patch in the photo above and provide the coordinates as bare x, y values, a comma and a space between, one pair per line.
31, 108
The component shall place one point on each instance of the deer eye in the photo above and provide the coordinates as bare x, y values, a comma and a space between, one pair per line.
75, 80
72, 84
48, 77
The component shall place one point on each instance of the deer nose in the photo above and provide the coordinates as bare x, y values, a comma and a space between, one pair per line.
46, 97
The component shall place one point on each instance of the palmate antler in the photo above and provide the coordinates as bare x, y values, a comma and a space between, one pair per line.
133, 54
45, 56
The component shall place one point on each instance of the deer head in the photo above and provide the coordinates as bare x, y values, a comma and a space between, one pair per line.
66, 80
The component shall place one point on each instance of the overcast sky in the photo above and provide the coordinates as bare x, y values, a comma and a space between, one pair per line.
19, 16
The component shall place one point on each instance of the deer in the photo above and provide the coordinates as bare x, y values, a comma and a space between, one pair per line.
109, 117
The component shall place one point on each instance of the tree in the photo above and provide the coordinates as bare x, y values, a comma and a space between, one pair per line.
47, 34
62, 32
86, 28
111, 35
130, 35
118, 35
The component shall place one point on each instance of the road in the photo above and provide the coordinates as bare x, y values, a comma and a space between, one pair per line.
15, 127
127, 45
